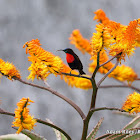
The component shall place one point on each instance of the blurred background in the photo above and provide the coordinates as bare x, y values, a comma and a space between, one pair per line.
52, 22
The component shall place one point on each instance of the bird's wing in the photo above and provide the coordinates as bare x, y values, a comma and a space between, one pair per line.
79, 61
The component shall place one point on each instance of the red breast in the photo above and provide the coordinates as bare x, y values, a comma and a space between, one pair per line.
69, 58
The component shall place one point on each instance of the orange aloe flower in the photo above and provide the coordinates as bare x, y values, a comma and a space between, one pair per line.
100, 16
121, 73
101, 39
9, 70
116, 30
37, 69
22, 118
80, 43
130, 35
43, 62
132, 103
124, 73
137, 39
126, 38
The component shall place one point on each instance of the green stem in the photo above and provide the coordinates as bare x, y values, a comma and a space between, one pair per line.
97, 66
86, 121
93, 100
85, 125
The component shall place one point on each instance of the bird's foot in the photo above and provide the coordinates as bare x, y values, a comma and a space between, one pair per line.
70, 72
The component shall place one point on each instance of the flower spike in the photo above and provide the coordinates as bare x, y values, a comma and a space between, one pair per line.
9, 70
22, 118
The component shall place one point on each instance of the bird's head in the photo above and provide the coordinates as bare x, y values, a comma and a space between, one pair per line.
67, 50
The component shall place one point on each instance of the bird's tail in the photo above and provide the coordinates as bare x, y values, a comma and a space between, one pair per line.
81, 72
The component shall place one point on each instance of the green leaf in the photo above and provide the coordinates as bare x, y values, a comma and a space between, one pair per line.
31, 135
127, 131
14, 137
92, 134
102, 137
116, 136
125, 114
58, 134
63, 137
132, 137
133, 124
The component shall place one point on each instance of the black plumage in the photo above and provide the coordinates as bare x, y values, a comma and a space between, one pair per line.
73, 60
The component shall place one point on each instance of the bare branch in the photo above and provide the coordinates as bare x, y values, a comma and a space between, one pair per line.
110, 60
137, 79
74, 75
107, 74
107, 108
6, 113
57, 94
132, 87
120, 86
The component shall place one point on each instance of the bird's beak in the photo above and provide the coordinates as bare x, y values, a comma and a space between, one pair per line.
59, 50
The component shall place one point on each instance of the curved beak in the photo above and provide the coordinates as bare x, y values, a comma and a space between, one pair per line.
59, 50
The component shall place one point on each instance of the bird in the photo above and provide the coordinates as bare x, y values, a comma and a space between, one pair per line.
73, 61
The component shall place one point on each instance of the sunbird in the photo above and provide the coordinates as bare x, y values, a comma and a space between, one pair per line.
73, 60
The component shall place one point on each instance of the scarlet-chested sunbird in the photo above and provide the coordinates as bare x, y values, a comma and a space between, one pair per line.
73, 60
